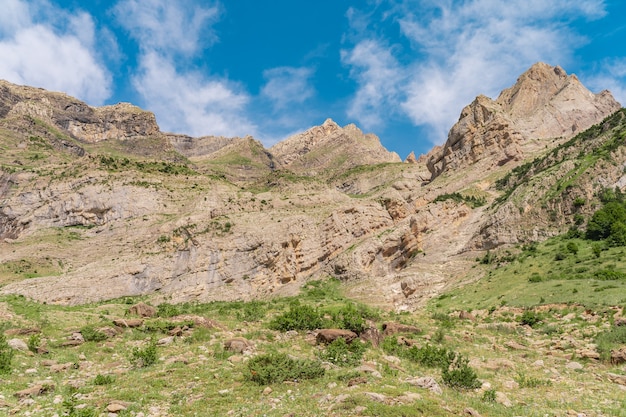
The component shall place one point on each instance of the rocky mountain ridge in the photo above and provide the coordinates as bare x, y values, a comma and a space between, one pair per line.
224, 218
544, 107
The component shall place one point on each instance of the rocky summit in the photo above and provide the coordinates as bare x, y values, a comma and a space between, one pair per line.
98, 203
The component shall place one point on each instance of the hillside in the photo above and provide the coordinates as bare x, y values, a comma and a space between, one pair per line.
102, 196
146, 273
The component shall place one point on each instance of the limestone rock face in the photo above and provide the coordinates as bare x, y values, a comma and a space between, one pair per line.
544, 105
330, 147
121, 121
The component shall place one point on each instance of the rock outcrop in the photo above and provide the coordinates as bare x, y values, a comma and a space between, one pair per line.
545, 105
330, 147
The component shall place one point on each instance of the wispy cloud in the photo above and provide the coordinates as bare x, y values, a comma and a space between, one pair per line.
169, 27
190, 102
379, 77
169, 35
47, 47
460, 49
612, 76
287, 85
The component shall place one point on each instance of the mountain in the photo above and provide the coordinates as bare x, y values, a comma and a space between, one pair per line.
544, 107
98, 203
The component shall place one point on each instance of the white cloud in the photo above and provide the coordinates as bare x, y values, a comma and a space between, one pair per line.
189, 102
464, 48
57, 54
287, 85
167, 26
379, 77
612, 77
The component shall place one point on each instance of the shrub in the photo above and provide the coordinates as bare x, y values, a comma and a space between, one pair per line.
460, 375
489, 396
103, 379
531, 382
146, 356
279, 367
431, 356
6, 355
572, 247
34, 341
91, 334
559, 256
349, 318
610, 339
166, 310
298, 317
252, 311
340, 353
530, 318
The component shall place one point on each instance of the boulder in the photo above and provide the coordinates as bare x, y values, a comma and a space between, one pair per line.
238, 345
327, 336
393, 328
142, 310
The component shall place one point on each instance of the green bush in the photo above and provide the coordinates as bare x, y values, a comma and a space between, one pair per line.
341, 353
531, 382
349, 318
608, 223
279, 367
610, 339
298, 317
460, 375
103, 379
6, 355
252, 311
146, 356
91, 334
34, 341
167, 310
530, 318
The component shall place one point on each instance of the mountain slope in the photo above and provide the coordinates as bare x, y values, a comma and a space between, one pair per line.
209, 218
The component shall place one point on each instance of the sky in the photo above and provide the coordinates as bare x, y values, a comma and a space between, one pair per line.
401, 69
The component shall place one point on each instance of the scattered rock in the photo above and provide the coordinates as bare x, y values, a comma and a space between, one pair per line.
369, 369
327, 336
620, 321
22, 331
267, 391
501, 398
512, 344
116, 407
471, 412
575, 366
166, 341
238, 345
588, 353
464, 315
426, 382
618, 356
618, 379
18, 344
35, 390
130, 323
357, 381
374, 396
393, 328
142, 310
407, 290
372, 335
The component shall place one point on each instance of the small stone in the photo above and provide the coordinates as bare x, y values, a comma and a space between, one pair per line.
267, 391
115, 407
575, 366
18, 344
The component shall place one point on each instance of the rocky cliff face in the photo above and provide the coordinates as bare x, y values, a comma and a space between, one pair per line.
545, 105
325, 147
224, 218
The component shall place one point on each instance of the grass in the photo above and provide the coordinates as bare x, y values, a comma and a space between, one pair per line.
195, 373
532, 275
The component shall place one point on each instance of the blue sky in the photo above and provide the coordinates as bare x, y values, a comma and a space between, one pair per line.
402, 69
